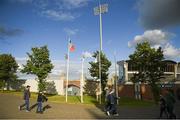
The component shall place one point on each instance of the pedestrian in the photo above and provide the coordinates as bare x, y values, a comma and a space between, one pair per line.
26, 97
163, 106
112, 103
106, 98
170, 101
40, 99
107, 101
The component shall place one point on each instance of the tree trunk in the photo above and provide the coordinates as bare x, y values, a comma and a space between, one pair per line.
156, 92
8, 85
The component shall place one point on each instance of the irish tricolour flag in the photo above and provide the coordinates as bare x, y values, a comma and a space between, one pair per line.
71, 47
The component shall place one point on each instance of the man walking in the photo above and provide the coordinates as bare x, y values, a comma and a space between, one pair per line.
26, 97
163, 106
170, 100
112, 102
40, 99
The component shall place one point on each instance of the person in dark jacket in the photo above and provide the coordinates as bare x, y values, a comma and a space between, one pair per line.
26, 97
170, 101
40, 99
107, 103
112, 101
163, 106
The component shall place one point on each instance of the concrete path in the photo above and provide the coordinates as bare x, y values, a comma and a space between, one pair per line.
9, 109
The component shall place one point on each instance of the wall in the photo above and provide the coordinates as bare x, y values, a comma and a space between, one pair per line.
146, 93
126, 90
58, 84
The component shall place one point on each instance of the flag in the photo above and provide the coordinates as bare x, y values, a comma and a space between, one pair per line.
71, 47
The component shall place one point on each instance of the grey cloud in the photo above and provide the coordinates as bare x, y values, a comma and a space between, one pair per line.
9, 32
154, 37
158, 38
156, 14
70, 31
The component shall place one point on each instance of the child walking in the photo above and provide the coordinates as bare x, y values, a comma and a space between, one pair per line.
40, 99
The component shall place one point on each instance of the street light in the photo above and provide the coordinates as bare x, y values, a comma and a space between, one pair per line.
84, 56
116, 78
98, 11
82, 78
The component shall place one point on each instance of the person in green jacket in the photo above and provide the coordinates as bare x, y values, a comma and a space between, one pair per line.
170, 101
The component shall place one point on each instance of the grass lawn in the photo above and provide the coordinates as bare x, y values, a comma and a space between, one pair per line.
58, 98
124, 101
131, 102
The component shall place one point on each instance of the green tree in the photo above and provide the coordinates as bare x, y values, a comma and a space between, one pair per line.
8, 69
94, 69
90, 87
149, 63
39, 64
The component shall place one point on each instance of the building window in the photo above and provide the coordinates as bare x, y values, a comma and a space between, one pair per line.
132, 67
169, 68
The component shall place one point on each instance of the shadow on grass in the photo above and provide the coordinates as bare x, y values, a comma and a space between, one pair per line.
46, 107
33, 106
50, 95
98, 113
125, 105
79, 98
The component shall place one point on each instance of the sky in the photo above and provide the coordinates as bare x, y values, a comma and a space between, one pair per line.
33, 23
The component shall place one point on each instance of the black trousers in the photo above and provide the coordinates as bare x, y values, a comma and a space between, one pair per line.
163, 110
170, 110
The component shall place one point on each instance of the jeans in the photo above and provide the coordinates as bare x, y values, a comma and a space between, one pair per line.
163, 110
171, 113
113, 109
39, 107
26, 103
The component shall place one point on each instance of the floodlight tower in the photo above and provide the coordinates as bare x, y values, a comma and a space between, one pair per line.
98, 11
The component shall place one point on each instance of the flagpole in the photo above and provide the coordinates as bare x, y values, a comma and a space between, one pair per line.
98, 11
116, 81
100, 50
67, 72
82, 80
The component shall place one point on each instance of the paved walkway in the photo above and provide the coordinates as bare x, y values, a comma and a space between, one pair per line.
9, 109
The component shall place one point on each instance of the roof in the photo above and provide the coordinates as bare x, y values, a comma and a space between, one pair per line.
72, 83
167, 61
170, 61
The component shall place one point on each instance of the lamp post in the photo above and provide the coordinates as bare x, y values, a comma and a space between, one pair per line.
84, 56
116, 78
82, 79
98, 11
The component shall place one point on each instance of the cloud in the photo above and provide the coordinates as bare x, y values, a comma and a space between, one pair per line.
58, 15
20, 1
155, 14
59, 10
109, 42
9, 32
87, 54
71, 4
154, 37
70, 31
171, 52
59, 68
157, 38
